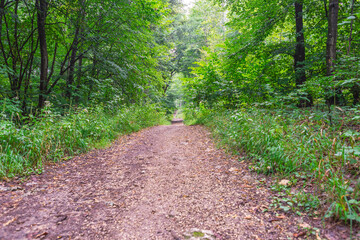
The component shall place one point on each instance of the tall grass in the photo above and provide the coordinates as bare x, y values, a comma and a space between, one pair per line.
287, 143
53, 137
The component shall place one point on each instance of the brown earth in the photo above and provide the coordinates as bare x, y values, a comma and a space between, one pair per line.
165, 182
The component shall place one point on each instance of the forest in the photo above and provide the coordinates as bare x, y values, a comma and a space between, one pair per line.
277, 80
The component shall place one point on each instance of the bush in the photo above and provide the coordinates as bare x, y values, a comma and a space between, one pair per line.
297, 143
52, 137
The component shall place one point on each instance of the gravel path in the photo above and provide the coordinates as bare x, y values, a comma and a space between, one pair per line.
165, 182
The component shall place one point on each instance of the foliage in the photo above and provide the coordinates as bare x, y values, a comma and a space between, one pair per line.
297, 143
92, 52
174, 95
53, 137
255, 63
190, 32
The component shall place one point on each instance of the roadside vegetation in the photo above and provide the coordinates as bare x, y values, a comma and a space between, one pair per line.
319, 161
51, 137
74, 75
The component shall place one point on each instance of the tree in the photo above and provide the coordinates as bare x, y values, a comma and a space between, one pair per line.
332, 36
265, 61
80, 51
299, 56
41, 6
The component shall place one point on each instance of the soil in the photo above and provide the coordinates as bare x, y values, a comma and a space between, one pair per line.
165, 182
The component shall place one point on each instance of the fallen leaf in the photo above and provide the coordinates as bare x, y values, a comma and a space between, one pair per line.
284, 182
277, 218
317, 236
41, 235
60, 218
304, 225
274, 219
10, 221
296, 235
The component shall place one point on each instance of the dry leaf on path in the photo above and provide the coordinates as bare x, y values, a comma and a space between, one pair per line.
8, 222
300, 234
284, 182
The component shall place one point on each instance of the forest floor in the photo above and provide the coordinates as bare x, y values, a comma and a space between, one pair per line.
165, 182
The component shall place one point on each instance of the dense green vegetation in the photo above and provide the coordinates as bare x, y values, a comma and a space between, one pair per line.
259, 60
80, 52
76, 74
54, 137
298, 145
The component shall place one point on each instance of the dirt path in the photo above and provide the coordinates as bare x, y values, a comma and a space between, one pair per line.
161, 183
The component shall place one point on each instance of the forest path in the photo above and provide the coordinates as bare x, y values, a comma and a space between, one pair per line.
159, 183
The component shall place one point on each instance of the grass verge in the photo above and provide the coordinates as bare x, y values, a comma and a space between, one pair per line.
320, 160
54, 137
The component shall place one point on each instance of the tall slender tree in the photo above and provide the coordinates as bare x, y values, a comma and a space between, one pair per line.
299, 56
41, 6
332, 36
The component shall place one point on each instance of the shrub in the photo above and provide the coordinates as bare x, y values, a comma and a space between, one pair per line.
289, 142
53, 137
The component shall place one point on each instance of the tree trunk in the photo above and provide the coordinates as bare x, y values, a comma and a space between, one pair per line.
41, 6
75, 49
299, 56
333, 13
93, 75
15, 79
351, 28
355, 90
72, 63
79, 75
332, 36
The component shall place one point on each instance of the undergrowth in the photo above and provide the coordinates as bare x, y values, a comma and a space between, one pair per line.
52, 137
320, 154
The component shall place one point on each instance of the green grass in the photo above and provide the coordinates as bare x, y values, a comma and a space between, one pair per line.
52, 137
300, 145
